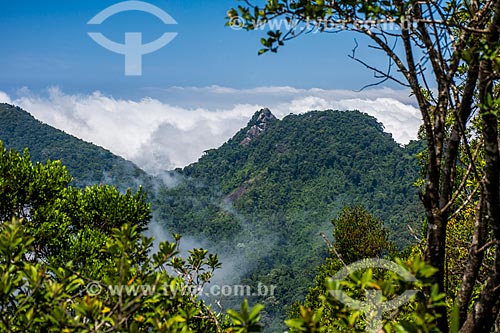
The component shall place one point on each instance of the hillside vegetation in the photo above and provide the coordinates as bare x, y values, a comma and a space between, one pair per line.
265, 198
87, 163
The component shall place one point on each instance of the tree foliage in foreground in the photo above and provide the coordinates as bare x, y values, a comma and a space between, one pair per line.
129, 297
448, 54
358, 237
75, 261
68, 224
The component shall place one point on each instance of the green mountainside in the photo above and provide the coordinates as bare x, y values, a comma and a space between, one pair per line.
86, 162
262, 199
265, 195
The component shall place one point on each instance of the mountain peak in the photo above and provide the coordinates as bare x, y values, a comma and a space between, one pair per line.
258, 125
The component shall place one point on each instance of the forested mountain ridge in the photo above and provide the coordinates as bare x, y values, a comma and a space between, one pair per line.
266, 199
261, 199
86, 162
345, 154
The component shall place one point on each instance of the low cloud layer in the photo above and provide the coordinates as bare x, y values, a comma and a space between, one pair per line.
174, 126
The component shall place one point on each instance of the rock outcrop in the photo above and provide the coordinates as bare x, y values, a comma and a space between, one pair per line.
264, 119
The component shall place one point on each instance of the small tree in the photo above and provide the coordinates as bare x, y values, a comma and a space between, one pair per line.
359, 235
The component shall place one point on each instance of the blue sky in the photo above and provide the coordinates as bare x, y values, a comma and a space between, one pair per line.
194, 93
46, 43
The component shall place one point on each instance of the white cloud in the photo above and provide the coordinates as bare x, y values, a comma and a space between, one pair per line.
174, 126
4, 98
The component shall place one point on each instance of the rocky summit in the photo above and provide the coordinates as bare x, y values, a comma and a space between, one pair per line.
264, 119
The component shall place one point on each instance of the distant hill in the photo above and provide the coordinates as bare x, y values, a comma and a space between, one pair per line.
86, 162
264, 196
